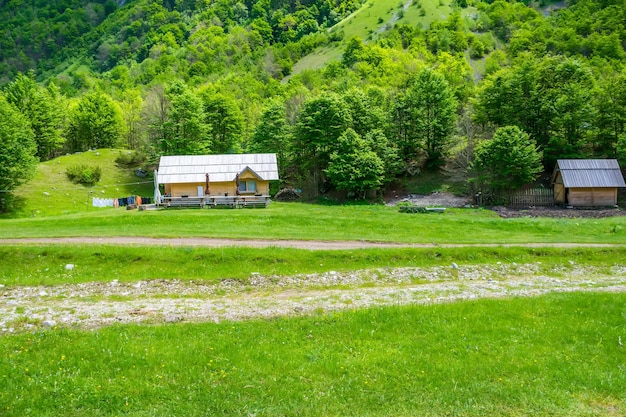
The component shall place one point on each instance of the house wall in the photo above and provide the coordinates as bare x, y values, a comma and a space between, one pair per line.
216, 188
588, 197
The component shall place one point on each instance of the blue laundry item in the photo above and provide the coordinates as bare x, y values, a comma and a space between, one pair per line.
131, 199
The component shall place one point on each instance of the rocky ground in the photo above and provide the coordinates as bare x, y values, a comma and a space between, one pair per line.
436, 199
92, 305
559, 212
441, 199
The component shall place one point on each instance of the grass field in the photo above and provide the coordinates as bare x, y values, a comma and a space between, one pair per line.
555, 355
44, 265
318, 222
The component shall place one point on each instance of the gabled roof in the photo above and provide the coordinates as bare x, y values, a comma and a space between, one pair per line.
583, 173
221, 168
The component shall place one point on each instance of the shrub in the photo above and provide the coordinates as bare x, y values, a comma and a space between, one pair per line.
83, 174
287, 194
131, 159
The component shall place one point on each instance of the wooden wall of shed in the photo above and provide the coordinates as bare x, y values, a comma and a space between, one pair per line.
589, 197
559, 193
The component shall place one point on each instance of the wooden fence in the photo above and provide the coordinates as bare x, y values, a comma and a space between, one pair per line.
532, 197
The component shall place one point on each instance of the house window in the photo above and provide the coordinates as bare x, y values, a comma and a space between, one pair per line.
248, 186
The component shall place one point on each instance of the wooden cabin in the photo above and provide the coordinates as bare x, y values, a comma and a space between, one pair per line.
587, 182
208, 179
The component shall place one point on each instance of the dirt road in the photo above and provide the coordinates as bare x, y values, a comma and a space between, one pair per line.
263, 243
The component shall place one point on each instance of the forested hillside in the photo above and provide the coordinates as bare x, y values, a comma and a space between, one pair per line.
425, 87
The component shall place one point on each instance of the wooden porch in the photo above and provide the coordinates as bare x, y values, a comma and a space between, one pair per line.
218, 201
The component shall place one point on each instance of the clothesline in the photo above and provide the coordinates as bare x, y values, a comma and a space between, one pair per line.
120, 202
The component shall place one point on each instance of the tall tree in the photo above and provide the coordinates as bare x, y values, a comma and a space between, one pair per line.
425, 118
184, 131
353, 166
224, 122
610, 102
95, 122
17, 151
320, 123
131, 109
44, 108
272, 134
506, 162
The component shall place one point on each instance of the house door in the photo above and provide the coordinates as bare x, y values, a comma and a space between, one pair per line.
200, 191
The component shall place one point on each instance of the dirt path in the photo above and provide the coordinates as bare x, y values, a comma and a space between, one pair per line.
263, 243
97, 304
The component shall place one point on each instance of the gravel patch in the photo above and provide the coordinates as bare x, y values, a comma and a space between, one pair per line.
92, 305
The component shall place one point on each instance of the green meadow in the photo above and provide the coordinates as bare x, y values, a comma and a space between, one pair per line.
318, 222
554, 355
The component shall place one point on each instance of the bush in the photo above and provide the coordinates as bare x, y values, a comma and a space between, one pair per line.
83, 174
412, 209
131, 159
287, 194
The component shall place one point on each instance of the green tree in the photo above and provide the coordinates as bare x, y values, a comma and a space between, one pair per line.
568, 87
506, 162
386, 151
610, 102
353, 166
272, 134
44, 108
224, 123
366, 115
184, 130
425, 117
17, 151
95, 122
320, 123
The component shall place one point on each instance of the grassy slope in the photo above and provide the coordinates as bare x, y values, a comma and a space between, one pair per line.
555, 355
64, 197
364, 24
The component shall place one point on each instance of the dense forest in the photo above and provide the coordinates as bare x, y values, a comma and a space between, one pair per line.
491, 93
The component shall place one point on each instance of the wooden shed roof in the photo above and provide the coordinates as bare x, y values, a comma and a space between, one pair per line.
585, 173
183, 169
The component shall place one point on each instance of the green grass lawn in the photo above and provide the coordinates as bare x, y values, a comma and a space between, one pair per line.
319, 222
555, 355
45, 265
52, 193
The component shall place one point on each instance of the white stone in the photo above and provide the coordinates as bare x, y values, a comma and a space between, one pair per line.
49, 323
69, 267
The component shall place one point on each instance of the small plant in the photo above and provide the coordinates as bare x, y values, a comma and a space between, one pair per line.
131, 159
83, 174
412, 209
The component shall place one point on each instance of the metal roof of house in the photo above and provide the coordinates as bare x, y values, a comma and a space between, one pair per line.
583, 173
221, 168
